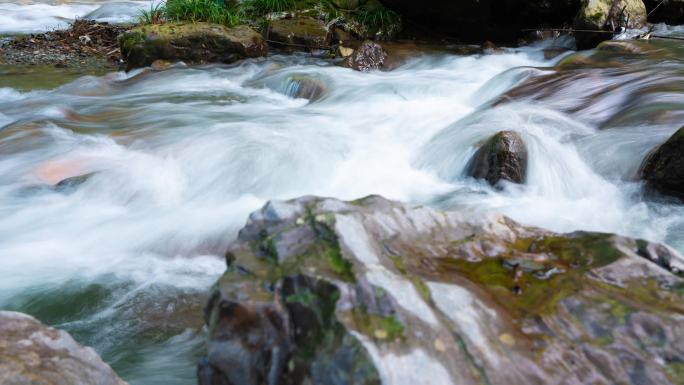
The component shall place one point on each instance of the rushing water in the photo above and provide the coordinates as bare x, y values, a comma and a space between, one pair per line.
178, 158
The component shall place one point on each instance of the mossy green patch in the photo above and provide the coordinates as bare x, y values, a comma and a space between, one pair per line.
675, 371
377, 326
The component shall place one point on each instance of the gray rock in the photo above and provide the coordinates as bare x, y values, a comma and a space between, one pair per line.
369, 56
375, 291
34, 354
502, 158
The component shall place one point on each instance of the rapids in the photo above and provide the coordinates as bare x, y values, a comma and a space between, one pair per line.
177, 159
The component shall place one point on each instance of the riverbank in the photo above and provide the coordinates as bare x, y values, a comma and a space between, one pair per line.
85, 44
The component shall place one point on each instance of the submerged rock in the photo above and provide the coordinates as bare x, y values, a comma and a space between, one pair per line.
72, 183
663, 169
32, 353
306, 87
191, 43
297, 34
605, 17
321, 291
369, 56
502, 158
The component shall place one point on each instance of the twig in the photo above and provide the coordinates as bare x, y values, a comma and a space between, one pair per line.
656, 7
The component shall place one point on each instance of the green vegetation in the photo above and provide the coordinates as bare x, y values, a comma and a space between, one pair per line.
379, 18
262, 7
212, 11
366, 20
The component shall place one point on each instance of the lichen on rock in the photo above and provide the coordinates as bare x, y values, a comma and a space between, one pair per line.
32, 353
377, 291
190, 42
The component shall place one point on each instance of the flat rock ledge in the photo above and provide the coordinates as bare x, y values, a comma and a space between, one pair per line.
322, 291
34, 354
193, 43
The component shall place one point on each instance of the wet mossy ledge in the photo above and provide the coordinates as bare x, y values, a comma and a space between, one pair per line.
190, 42
321, 291
204, 31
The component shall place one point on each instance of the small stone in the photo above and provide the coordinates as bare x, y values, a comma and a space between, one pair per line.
439, 346
380, 334
369, 56
507, 339
345, 51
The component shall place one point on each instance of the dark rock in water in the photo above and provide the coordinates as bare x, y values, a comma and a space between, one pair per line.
605, 17
321, 291
72, 183
306, 87
663, 169
191, 43
502, 157
369, 56
32, 354
299, 34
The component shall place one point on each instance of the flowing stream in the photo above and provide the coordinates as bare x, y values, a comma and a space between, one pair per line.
176, 160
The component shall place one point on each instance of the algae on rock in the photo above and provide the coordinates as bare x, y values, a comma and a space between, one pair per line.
387, 291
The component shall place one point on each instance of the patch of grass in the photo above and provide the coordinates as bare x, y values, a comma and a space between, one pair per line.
262, 7
155, 15
379, 18
211, 11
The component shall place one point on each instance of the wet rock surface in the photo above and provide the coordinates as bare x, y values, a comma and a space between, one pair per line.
297, 34
369, 56
321, 291
663, 169
193, 43
502, 158
32, 353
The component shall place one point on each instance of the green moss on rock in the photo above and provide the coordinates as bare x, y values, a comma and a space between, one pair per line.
190, 42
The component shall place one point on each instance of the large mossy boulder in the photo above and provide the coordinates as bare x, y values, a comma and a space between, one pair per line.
663, 169
193, 43
299, 34
320, 291
502, 158
605, 17
34, 354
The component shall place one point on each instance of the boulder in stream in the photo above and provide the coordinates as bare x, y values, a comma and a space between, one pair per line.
34, 354
663, 169
306, 87
191, 43
604, 17
369, 56
502, 158
321, 291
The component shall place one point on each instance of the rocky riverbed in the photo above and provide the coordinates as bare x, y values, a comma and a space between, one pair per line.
343, 192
